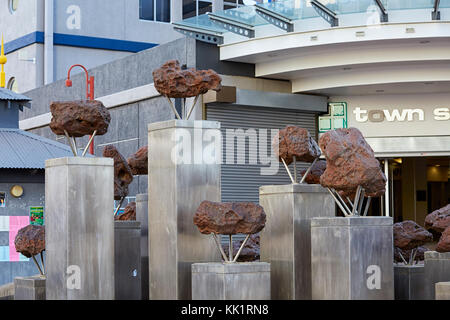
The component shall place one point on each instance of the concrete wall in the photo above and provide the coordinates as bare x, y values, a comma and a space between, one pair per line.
34, 193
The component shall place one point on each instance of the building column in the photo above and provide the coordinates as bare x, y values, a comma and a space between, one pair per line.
176, 10
217, 5
48, 41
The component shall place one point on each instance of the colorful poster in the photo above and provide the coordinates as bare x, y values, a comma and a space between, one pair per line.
2, 199
37, 216
15, 224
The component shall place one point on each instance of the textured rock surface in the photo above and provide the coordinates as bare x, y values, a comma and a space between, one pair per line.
229, 217
129, 213
409, 235
350, 163
138, 162
420, 254
79, 118
30, 240
444, 242
249, 253
316, 171
122, 172
171, 81
438, 220
295, 141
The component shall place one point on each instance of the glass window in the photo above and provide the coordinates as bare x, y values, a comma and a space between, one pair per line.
190, 7
154, 10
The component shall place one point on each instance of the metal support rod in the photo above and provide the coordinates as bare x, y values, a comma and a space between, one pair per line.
361, 201
307, 171
219, 246
173, 108
338, 203
240, 249
388, 187
230, 248
295, 169
117, 209
75, 146
89, 143
413, 255
70, 143
287, 169
384, 14
342, 201
350, 202
42, 262
37, 265
192, 108
436, 14
401, 256
183, 108
367, 206
355, 204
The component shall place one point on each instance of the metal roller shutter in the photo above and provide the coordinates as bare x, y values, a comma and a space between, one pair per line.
242, 182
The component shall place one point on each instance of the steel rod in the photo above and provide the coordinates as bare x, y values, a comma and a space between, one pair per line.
338, 203
287, 169
295, 169
355, 205
75, 146
70, 143
307, 171
240, 249
367, 206
219, 246
117, 209
37, 265
401, 256
89, 143
230, 250
192, 108
361, 201
413, 255
42, 262
342, 200
173, 108
350, 202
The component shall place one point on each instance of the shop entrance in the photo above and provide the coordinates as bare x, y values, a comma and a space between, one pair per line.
418, 186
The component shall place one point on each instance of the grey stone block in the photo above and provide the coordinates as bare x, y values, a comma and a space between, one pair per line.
286, 239
231, 281
437, 269
29, 288
352, 258
142, 217
127, 258
409, 282
442, 291
79, 227
174, 194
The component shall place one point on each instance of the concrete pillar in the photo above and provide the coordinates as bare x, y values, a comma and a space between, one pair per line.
176, 10
409, 282
142, 217
217, 5
286, 239
48, 41
231, 281
127, 260
352, 258
442, 291
176, 187
437, 269
29, 288
79, 228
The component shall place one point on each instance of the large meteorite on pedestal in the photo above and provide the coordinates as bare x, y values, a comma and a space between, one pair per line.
138, 162
129, 214
439, 219
408, 237
122, 172
30, 241
444, 242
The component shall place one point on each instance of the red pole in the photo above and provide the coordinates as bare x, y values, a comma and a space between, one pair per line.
89, 92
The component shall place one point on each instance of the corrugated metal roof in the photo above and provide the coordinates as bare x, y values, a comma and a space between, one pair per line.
23, 150
6, 94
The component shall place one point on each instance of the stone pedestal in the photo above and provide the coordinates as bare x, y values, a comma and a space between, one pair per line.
127, 258
352, 258
442, 290
409, 282
286, 239
29, 288
79, 228
437, 269
142, 217
231, 281
176, 187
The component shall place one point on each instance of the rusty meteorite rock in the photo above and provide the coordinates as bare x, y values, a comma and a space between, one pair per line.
79, 118
444, 243
409, 235
30, 240
138, 162
294, 141
420, 254
122, 172
129, 214
229, 217
171, 81
249, 253
438, 220
316, 171
350, 163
